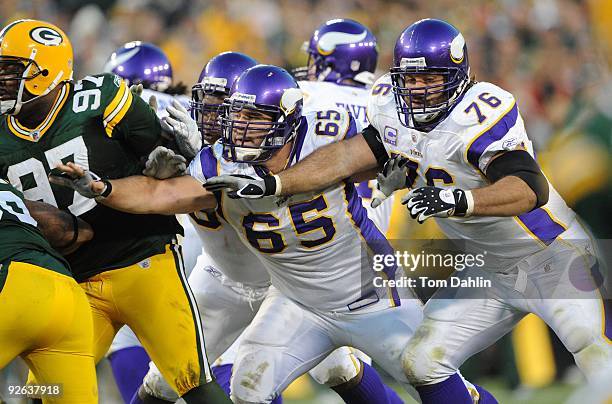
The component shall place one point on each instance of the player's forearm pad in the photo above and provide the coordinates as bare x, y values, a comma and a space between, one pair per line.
520, 164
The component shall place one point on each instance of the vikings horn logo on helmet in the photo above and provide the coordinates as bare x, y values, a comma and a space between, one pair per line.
290, 99
329, 40
456, 49
46, 36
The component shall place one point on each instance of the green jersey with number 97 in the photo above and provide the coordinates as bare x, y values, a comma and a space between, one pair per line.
20, 239
97, 123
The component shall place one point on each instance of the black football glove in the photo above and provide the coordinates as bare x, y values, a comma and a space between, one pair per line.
426, 202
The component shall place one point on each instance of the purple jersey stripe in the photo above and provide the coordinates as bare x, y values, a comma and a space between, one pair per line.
607, 313
294, 157
208, 163
495, 133
375, 240
352, 129
539, 223
364, 190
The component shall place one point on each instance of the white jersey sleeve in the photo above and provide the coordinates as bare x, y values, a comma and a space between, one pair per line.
320, 128
489, 122
381, 104
322, 96
226, 251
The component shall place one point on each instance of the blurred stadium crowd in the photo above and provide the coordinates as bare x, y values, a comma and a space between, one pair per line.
554, 55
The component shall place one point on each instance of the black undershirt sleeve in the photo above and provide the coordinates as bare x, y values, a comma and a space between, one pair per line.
520, 164
372, 138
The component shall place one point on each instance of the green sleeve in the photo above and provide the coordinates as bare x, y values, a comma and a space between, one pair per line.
130, 119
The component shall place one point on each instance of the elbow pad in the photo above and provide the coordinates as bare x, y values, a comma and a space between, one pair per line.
519, 163
372, 138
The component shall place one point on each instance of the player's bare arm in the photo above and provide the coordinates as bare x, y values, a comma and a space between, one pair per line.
329, 165
64, 231
138, 194
515, 190
324, 167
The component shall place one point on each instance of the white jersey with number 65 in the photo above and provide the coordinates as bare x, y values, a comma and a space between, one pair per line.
320, 95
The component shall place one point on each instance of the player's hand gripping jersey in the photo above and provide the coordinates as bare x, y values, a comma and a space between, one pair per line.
455, 154
327, 227
321, 95
99, 124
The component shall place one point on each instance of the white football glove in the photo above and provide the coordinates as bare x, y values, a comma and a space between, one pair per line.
164, 163
136, 89
390, 179
79, 179
183, 128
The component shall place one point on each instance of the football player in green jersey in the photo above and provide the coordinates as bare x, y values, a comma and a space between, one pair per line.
132, 269
55, 330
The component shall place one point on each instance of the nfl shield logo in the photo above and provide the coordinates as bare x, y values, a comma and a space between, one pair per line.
390, 136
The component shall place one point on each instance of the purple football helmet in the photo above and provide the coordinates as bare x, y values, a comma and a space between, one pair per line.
338, 50
428, 47
213, 86
141, 63
261, 115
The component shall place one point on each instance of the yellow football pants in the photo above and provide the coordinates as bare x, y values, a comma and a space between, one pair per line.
154, 299
45, 318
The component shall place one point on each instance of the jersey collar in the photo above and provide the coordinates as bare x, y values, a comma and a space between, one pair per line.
34, 135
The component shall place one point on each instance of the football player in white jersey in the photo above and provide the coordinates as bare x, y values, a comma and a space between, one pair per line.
144, 64
315, 246
342, 57
227, 294
471, 165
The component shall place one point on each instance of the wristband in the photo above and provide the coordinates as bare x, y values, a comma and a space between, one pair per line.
464, 205
279, 185
470, 203
108, 188
272, 184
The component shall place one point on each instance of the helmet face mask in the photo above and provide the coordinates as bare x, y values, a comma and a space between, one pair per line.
14, 73
35, 57
430, 73
424, 97
252, 133
214, 84
262, 114
311, 71
206, 104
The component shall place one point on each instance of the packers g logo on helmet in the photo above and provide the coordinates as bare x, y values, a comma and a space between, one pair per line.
37, 56
46, 36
